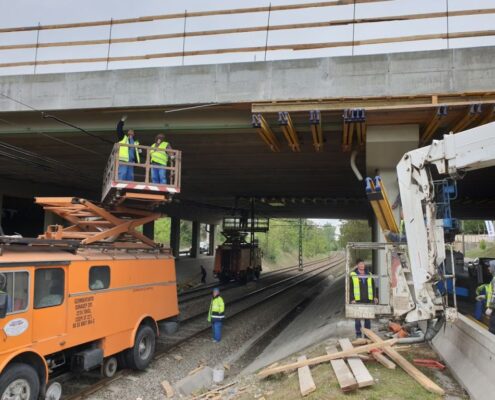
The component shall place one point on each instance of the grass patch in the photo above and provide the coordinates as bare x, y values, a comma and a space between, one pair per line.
478, 252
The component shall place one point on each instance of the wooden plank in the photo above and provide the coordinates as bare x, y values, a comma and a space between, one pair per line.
361, 373
306, 382
415, 373
169, 390
261, 28
295, 47
344, 375
284, 7
383, 360
318, 360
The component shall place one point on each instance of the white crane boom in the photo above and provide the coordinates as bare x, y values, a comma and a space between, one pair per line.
454, 155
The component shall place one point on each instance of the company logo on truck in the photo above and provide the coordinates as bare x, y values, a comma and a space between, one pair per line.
16, 327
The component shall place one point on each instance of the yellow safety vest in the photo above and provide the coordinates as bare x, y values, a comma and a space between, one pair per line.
217, 309
159, 157
357, 289
488, 292
124, 150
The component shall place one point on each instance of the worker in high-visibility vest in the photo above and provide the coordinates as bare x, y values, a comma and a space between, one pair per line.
159, 157
127, 154
483, 296
362, 290
216, 315
491, 303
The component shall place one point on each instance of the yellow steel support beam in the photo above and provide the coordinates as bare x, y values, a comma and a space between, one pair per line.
265, 132
316, 130
285, 122
473, 113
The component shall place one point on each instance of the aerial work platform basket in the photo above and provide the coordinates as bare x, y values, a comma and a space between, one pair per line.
140, 190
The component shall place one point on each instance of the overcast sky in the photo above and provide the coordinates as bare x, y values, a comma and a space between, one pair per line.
31, 12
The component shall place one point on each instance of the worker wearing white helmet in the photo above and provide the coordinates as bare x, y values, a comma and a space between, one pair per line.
491, 302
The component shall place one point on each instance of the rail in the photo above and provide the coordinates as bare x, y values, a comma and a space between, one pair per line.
197, 324
141, 174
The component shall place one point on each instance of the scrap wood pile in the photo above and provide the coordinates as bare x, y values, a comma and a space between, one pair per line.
348, 364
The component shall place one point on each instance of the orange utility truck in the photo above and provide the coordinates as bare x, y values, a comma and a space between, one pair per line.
88, 293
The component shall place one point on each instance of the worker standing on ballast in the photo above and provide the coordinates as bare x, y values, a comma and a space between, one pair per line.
362, 291
127, 154
491, 303
216, 315
159, 157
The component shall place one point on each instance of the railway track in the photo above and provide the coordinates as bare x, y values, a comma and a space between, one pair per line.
202, 291
194, 325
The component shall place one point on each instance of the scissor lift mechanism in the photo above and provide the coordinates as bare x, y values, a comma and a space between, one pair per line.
126, 205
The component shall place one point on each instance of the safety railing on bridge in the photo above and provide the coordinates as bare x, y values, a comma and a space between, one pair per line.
142, 176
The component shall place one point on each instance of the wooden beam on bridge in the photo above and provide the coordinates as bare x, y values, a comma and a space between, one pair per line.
378, 103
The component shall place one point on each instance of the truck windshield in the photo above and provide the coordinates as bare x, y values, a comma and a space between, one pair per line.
16, 285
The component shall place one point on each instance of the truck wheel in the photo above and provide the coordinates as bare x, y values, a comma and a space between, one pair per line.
19, 381
139, 356
109, 367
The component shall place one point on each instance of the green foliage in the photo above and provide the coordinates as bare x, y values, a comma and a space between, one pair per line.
162, 231
283, 237
354, 231
482, 245
473, 227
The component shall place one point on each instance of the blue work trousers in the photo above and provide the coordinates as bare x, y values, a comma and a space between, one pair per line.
159, 176
216, 326
126, 173
357, 323
479, 309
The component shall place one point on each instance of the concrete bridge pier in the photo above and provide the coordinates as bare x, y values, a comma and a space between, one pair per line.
385, 146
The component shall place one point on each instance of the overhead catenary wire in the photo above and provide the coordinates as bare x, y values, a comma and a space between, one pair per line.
45, 115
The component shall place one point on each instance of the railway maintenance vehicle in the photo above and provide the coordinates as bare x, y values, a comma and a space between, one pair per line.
90, 292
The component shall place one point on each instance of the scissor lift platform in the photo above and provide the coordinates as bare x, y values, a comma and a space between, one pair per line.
141, 192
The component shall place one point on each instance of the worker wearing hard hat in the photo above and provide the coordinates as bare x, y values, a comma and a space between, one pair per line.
127, 154
491, 302
159, 157
216, 315
362, 291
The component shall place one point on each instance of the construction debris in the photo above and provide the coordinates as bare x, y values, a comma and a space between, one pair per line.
306, 382
361, 373
344, 375
318, 360
429, 363
169, 390
421, 378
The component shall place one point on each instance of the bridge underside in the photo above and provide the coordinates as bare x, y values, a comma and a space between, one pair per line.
225, 161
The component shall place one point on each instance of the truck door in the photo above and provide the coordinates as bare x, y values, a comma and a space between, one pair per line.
15, 326
49, 308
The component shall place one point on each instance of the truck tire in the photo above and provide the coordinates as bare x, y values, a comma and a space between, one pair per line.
140, 355
19, 381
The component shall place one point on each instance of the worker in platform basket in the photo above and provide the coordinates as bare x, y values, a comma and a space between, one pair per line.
159, 157
491, 303
127, 154
362, 291
216, 315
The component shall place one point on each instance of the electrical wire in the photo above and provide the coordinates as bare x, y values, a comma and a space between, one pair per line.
45, 115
